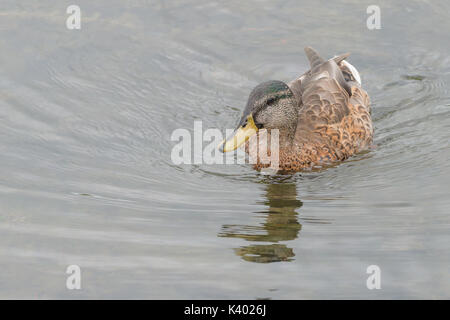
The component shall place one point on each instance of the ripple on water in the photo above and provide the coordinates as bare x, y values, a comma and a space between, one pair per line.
87, 176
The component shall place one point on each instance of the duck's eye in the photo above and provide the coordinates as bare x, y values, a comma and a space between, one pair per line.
259, 125
270, 101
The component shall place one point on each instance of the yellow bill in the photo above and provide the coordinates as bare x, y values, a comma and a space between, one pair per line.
241, 135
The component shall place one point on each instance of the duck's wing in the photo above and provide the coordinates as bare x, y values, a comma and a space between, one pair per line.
324, 92
296, 84
296, 87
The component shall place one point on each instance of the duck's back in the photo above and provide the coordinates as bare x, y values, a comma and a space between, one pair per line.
334, 114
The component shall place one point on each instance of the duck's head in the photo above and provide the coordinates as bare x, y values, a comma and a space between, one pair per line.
271, 105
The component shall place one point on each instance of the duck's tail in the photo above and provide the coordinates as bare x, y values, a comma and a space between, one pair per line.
347, 67
338, 59
314, 59
333, 67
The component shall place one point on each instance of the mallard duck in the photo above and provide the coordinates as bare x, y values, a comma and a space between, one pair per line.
322, 117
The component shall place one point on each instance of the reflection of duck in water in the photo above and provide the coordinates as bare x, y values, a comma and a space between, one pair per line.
281, 225
322, 117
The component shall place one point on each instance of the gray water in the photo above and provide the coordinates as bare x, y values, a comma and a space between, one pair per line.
86, 176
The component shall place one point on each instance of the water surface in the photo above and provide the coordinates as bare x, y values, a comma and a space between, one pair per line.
86, 176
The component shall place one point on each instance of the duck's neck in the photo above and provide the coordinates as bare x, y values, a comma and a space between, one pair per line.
285, 137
